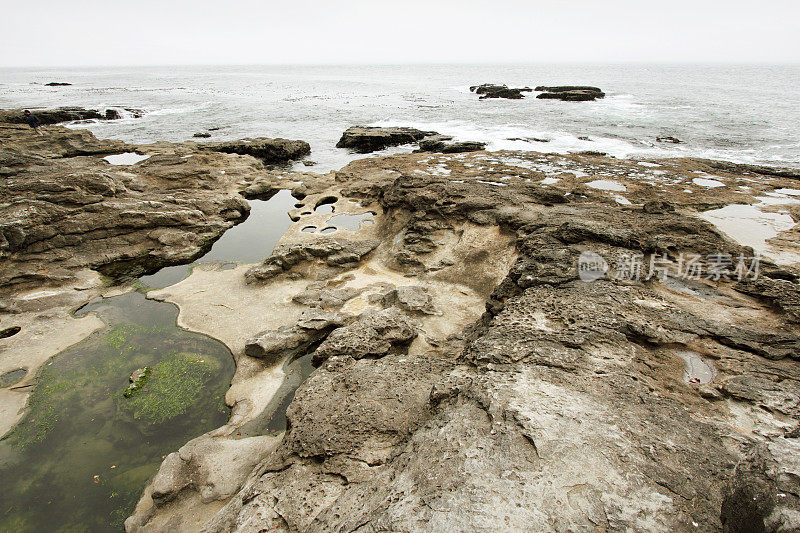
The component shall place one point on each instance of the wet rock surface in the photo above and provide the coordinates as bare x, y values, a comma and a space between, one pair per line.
365, 139
334, 253
570, 93
267, 150
64, 114
445, 147
490, 90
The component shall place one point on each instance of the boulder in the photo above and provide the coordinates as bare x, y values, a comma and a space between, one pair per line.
314, 325
373, 334
669, 139
366, 139
411, 298
267, 150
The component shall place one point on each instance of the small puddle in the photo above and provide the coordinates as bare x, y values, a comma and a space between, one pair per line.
273, 419
128, 158
698, 369
607, 185
708, 183
351, 222
750, 226
9, 332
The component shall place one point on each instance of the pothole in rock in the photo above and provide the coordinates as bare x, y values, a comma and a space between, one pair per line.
351, 222
12, 377
698, 369
127, 158
343, 222
9, 332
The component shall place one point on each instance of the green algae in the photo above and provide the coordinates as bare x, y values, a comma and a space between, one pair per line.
172, 388
80, 457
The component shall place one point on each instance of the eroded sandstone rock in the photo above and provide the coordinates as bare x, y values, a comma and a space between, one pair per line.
372, 334
314, 325
566, 407
65, 208
332, 252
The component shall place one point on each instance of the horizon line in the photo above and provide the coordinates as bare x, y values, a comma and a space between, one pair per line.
401, 64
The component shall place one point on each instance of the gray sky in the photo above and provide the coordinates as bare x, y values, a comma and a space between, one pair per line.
150, 32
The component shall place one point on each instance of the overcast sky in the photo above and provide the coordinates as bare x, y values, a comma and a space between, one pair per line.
157, 32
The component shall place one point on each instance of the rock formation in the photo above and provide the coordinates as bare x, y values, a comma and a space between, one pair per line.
365, 139
450, 147
565, 406
64, 114
267, 150
64, 208
470, 375
490, 90
570, 93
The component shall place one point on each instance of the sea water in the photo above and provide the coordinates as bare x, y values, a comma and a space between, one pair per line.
738, 113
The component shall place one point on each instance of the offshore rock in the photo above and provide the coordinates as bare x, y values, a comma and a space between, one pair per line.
570, 93
490, 90
365, 139
62, 114
267, 150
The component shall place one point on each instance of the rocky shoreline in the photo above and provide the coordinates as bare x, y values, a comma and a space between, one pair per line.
468, 373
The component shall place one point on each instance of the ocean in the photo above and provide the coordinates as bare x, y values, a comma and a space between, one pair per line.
737, 113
